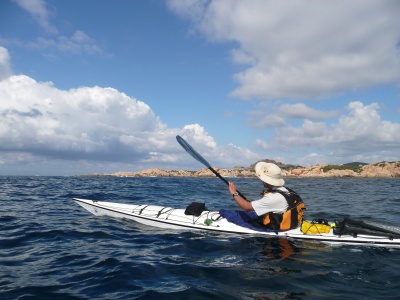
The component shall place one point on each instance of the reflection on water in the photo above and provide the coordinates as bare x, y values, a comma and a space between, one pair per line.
279, 248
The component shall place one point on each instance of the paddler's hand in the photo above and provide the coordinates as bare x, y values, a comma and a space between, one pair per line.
232, 188
243, 203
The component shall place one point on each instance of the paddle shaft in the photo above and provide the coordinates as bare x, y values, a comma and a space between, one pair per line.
226, 181
192, 152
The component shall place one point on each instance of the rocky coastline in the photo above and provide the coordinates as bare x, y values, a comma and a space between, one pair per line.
375, 170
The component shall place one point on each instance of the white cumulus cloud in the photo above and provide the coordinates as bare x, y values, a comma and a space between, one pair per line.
359, 133
279, 116
231, 155
79, 42
42, 125
89, 122
41, 13
302, 49
5, 69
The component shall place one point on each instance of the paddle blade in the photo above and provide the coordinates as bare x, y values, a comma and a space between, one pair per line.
189, 149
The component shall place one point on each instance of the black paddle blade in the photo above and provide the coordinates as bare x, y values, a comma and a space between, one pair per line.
189, 149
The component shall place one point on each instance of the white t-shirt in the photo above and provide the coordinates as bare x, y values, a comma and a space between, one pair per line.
272, 202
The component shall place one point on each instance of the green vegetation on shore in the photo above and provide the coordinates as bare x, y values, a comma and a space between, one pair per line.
383, 163
354, 168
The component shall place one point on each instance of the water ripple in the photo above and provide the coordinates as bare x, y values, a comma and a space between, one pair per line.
53, 249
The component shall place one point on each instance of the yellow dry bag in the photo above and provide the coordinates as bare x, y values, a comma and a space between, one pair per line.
315, 227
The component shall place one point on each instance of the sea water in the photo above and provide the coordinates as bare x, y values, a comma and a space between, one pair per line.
51, 248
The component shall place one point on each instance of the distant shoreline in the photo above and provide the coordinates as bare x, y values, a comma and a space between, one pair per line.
375, 170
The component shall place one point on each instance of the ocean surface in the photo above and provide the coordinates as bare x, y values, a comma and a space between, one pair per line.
51, 248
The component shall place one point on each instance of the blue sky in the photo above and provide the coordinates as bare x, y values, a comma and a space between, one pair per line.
105, 86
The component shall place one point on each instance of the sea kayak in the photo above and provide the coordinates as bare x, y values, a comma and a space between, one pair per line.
226, 221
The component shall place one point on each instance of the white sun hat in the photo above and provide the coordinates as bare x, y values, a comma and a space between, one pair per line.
269, 173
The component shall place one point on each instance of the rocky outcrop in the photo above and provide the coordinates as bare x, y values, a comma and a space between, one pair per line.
383, 170
377, 170
155, 173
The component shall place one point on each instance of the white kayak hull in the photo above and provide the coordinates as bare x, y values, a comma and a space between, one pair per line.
171, 218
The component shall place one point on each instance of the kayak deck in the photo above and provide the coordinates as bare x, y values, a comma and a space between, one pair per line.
173, 218
163, 217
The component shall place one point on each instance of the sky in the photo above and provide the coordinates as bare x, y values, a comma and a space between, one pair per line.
101, 86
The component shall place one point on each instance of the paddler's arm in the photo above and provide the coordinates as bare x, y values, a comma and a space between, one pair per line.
245, 205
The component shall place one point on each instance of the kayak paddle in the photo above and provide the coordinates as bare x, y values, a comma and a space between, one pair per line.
189, 149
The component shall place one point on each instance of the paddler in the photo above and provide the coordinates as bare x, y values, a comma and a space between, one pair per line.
280, 208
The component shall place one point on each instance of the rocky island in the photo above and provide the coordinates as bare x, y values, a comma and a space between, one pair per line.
360, 170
